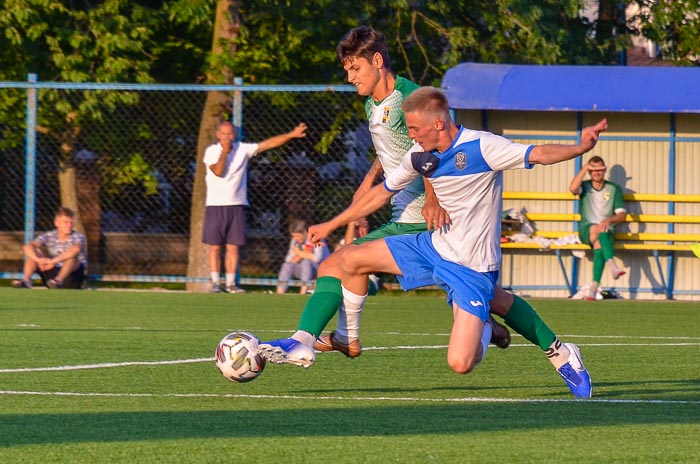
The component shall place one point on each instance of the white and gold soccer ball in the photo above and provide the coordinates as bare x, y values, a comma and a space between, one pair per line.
237, 357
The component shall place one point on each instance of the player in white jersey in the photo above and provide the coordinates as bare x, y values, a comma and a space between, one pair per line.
464, 167
364, 55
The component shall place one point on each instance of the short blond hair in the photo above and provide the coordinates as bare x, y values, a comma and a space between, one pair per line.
427, 100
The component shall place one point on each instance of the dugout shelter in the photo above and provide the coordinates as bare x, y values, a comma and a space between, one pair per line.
652, 150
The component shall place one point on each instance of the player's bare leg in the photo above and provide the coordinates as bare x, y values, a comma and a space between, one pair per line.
469, 340
214, 257
231, 265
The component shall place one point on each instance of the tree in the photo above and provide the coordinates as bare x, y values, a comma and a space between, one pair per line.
107, 41
674, 25
216, 108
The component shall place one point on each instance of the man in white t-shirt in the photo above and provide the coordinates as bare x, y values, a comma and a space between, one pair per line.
465, 169
227, 196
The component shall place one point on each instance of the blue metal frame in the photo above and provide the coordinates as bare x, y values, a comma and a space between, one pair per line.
670, 256
30, 162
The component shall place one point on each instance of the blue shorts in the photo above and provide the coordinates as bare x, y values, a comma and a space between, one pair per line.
421, 265
224, 225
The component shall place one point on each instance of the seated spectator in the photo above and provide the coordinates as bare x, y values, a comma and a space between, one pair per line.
302, 259
58, 256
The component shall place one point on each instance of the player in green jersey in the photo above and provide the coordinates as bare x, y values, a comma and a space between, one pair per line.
602, 207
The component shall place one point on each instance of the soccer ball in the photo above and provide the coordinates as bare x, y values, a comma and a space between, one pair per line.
237, 357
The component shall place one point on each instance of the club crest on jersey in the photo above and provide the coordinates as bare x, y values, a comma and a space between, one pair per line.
460, 161
385, 118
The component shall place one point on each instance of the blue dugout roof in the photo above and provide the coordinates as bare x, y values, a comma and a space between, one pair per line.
641, 89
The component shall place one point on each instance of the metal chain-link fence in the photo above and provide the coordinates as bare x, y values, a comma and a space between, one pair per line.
128, 155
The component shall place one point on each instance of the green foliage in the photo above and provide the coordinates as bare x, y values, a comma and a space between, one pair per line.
283, 42
674, 25
135, 171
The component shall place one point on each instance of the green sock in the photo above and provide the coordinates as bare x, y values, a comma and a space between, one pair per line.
606, 244
322, 306
524, 319
598, 264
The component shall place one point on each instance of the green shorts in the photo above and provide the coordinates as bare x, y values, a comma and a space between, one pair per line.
392, 228
584, 233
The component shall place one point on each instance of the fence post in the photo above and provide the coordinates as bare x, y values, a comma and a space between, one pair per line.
237, 116
30, 162
578, 165
237, 119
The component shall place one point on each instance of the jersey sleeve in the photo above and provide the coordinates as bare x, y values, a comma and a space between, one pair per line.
619, 201
503, 154
404, 174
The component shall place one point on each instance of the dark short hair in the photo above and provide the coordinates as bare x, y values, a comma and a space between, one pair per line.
64, 211
596, 159
363, 42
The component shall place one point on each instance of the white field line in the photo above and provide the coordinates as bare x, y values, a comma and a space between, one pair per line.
343, 398
286, 332
369, 348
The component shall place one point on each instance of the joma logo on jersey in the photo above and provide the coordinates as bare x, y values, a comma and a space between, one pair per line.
385, 118
460, 161
426, 166
475, 303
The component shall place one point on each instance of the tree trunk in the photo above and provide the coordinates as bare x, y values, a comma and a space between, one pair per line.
79, 187
217, 105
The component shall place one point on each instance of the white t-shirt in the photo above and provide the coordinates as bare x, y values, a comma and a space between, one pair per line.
468, 183
232, 187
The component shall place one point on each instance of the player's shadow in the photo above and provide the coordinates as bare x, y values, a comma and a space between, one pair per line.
637, 263
383, 417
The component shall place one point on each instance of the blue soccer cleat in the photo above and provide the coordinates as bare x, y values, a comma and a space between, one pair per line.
575, 374
287, 351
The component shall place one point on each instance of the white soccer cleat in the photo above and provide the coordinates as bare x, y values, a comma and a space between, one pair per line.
287, 351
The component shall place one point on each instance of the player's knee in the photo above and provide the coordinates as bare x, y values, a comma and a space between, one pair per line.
461, 365
348, 260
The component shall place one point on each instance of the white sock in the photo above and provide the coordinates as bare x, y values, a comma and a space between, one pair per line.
557, 353
216, 277
305, 337
485, 339
349, 315
230, 279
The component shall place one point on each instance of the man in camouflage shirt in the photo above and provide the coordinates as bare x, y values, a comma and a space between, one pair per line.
58, 256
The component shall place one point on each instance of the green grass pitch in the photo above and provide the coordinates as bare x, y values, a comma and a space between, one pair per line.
122, 376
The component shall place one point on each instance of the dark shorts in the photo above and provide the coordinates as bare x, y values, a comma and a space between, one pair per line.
75, 280
224, 225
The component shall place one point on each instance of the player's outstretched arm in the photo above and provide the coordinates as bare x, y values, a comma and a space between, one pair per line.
279, 140
370, 202
555, 153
